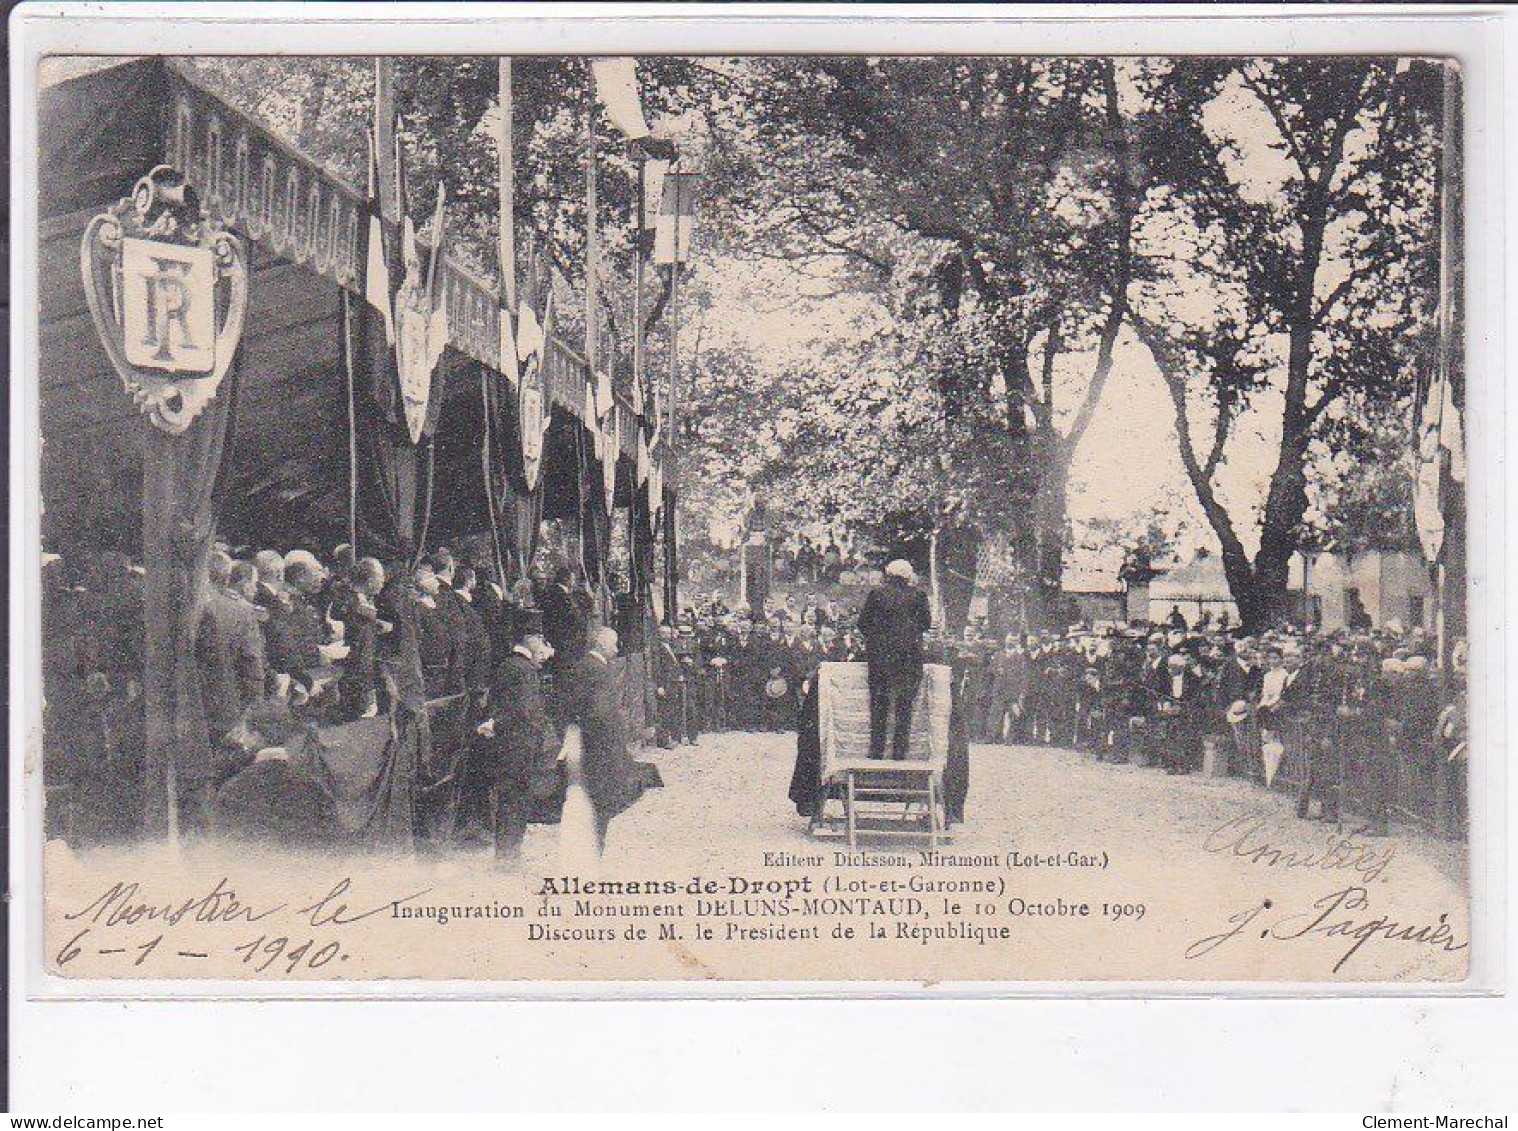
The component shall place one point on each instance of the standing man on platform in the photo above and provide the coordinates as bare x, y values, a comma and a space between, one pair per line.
892, 622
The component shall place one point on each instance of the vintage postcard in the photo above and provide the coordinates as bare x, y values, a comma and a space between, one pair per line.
806, 518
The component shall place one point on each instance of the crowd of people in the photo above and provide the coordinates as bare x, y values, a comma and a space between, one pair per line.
1358, 719
294, 655
291, 649
1341, 718
721, 668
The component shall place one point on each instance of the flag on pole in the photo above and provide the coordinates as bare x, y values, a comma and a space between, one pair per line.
1441, 459
604, 397
655, 484
617, 89
421, 319
533, 412
592, 422
377, 285
530, 337
677, 217
654, 173
1452, 434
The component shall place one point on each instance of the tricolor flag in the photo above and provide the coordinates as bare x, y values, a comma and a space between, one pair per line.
378, 290
677, 217
617, 89
1441, 459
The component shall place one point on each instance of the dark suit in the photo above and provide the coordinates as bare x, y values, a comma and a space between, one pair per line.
1237, 685
1179, 706
1009, 687
435, 645
292, 635
566, 619
892, 622
519, 762
612, 779
668, 679
229, 649
359, 619
472, 641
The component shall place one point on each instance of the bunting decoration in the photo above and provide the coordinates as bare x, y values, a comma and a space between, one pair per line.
655, 485
593, 422
532, 391
612, 446
420, 322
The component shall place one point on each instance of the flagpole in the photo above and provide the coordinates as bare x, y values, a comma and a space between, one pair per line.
1447, 158
506, 227
671, 458
590, 235
384, 134
352, 426
592, 327
506, 250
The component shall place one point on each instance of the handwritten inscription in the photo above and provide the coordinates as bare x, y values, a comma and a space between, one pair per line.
113, 922
1247, 837
1345, 914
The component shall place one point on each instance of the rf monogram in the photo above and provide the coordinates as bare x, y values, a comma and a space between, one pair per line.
168, 308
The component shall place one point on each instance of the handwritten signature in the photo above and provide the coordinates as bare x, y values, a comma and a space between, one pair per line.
1245, 836
1333, 916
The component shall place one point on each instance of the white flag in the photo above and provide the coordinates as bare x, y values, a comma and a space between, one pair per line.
617, 88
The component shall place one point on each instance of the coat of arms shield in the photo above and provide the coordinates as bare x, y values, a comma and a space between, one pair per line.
167, 290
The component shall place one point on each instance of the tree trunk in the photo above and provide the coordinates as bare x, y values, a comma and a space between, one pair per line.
1049, 511
1286, 501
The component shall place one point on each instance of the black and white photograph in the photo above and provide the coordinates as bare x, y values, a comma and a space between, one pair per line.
753, 518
